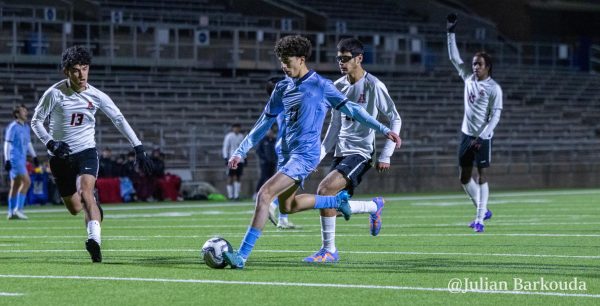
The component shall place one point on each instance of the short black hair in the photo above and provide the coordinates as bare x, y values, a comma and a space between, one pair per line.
75, 55
236, 125
488, 59
293, 45
270, 85
17, 109
351, 45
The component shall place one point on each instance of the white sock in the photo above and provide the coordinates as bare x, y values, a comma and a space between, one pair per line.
236, 189
93, 230
483, 201
283, 218
473, 191
363, 207
230, 191
328, 233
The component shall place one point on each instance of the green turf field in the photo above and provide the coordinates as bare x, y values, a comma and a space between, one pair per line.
151, 255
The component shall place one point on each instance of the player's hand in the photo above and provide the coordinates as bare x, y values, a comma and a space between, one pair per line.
234, 161
395, 138
476, 143
7, 165
383, 167
36, 162
142, 160
451, 20
59, 149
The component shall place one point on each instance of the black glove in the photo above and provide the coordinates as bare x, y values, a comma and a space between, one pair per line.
7, 165
59, 149
451, 22
142, 160
36, 162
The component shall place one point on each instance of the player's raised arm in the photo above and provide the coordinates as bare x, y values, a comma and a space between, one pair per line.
461, 67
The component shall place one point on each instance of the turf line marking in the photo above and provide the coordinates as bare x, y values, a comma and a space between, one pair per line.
10, 294
289, 284
278, 233
300, 251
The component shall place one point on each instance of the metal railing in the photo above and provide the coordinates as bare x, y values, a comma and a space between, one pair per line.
32, 40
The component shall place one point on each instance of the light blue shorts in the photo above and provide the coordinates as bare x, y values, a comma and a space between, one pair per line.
17, 169
297, 167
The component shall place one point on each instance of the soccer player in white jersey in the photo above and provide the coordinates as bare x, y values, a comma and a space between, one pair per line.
483, 105
17, 143
354, 144
71, 105
234, 176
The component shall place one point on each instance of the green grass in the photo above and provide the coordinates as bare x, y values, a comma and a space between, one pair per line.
151, 254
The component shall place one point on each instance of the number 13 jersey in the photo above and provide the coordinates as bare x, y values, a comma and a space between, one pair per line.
72, 116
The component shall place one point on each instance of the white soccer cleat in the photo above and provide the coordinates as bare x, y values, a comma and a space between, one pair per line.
272, 214
286, 225
17, 214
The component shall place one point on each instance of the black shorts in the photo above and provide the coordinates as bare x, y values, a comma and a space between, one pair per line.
66, 170
469, 156
352, 167
236, 172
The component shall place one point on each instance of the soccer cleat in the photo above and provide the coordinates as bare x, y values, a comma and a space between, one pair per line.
375, 219
323, 255
272, 214
472, 224
94, 249
343, 205
478, 227
286, 225
488, 215
17, 214
234, 260
11, 217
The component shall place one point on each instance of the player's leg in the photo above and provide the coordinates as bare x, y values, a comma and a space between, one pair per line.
23, 182
466, 158
12, 198
483, 160
230, 175
330, 185
276, 185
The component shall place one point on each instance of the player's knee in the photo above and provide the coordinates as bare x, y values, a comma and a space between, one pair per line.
323, 189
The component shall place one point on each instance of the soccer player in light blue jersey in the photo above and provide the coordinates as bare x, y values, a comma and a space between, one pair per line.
17, 143
304, 97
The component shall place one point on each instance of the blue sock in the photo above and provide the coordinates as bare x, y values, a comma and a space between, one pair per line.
21, 201
12, 203
326, 202
248, 243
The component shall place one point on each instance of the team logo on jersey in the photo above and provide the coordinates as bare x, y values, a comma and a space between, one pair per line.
472, 98
482, 92
90, 105
361, 99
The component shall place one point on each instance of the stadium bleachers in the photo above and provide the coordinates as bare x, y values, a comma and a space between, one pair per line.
550, 119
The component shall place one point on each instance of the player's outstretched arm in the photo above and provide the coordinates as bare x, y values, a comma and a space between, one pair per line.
258, 132
453, 53
360, 114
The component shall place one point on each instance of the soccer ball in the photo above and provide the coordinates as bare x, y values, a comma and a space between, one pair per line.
212, 252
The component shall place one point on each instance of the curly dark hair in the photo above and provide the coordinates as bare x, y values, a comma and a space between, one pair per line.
75, 55
488, 60
293, 45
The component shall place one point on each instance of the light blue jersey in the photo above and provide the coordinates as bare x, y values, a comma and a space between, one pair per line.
17, 137
304, 103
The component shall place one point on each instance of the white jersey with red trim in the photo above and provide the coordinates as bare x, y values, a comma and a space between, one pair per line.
72, 116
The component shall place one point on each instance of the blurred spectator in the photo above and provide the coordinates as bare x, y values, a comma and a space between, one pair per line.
267, 157
107, 166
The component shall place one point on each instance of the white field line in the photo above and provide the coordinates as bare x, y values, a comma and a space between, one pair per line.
418, 225
308, 252
171, 206
290, 284
10, 294
278, 233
